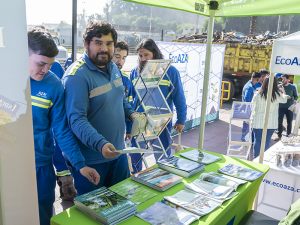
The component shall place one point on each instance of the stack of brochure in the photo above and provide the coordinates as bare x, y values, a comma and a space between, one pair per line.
180, 166
161, 213
241, 172
199, 156
105, 206
194, 202
157, 179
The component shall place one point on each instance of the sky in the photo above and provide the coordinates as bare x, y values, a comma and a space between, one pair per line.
54, 11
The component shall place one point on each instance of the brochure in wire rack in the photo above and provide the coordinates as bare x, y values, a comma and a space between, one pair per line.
241, 110
153, 72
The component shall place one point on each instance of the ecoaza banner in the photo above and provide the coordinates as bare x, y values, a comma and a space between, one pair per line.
189, 59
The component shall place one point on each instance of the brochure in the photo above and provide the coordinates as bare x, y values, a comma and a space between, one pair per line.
152, 73
180, 166
135, 192
157, 178
222, 179
212, 190
163, 214
200, 156
241, 172
193, 202
136, 150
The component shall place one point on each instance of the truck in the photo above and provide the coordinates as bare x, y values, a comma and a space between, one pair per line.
240, 61
243, 56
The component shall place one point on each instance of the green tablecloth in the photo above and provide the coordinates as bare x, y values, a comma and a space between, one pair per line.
236, 207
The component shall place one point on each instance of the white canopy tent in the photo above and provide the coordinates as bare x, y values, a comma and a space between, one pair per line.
285, 58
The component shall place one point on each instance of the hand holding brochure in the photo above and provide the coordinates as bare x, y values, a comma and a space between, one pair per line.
241, 172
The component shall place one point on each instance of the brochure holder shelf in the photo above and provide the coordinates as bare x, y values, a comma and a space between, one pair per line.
240, 139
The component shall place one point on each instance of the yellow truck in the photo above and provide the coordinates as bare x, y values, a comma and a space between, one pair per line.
240, 61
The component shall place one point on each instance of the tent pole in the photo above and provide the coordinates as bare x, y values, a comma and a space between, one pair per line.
265, 127
206, 79
266, 118
74, 30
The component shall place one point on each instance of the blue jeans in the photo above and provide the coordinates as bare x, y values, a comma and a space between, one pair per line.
245, 130
46, 181
257, 140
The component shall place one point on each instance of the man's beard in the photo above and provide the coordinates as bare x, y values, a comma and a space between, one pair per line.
100, 61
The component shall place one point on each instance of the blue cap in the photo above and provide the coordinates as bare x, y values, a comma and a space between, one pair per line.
278, 75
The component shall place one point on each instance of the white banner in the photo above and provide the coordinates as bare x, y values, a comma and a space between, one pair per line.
189, 59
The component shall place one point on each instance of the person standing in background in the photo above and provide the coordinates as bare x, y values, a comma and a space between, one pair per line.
289, 90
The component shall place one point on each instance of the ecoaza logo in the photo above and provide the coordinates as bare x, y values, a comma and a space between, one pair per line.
287, 61
180, 58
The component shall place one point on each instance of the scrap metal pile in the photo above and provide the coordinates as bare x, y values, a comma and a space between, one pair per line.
235, 37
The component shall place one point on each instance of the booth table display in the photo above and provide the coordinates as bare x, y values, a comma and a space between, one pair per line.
281, 186
231, 210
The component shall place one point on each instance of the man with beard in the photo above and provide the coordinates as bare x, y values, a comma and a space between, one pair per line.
148, 50
96, 107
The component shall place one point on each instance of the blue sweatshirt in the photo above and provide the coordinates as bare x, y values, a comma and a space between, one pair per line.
48, 112
128, 95
248, 91
96, 107
173, 93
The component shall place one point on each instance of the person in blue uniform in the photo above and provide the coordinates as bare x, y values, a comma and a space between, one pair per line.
148, 50
119, 58
248, 92
48, 115
63, 175
96, 107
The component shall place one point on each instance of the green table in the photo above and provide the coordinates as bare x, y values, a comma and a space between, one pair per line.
236, 207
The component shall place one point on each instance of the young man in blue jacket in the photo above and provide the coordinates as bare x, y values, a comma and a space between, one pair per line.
96, 107
119, 58
148, 50
48, 114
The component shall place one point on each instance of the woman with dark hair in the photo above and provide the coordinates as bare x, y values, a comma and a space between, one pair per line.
259, 102
172, 89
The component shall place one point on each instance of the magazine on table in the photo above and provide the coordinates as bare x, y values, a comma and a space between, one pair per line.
161, 213
135, 192
216, 191
222, 179
200, 156
241, 172
194, 202
180, 166
157, 178
105, 205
